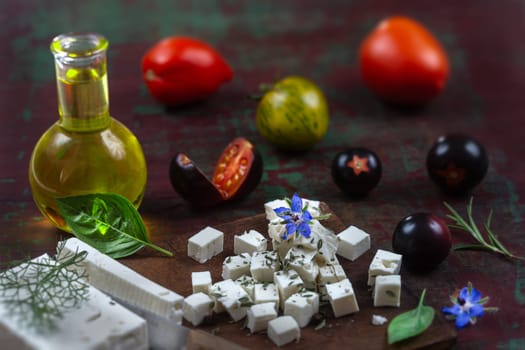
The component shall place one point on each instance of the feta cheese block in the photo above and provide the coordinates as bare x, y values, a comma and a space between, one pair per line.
247, 283
287, 282
259, 315
387, 290
201, 281
231, 297
235, 266
98, 323
283, 330
384, 263
205, 244
303, 262
118, 280
353, 242
264, 265
197, 307
342, 298
266, 293
249, 242
302, 306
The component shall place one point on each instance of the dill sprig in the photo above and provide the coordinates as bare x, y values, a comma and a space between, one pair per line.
488, 243
37, 292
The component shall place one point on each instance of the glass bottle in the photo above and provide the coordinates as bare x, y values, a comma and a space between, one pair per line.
86, 150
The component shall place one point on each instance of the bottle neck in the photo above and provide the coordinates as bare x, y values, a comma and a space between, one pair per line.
81, 75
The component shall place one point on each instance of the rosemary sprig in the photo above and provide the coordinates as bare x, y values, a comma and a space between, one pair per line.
488, 243
37, 292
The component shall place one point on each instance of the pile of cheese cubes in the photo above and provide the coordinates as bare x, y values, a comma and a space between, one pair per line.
279, 290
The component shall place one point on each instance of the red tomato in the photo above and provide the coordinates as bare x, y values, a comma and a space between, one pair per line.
181, 70
402, 62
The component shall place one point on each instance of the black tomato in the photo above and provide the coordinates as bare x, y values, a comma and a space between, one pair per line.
424, 241
356, 171
457, 164
237, 172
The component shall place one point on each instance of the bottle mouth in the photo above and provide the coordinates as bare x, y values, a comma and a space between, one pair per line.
78, 48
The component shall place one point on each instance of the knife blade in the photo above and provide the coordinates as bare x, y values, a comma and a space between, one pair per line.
167, 334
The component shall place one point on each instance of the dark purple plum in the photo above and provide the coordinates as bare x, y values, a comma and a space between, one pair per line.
424, 241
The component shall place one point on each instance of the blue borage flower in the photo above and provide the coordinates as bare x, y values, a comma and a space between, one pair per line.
467, 306
297, 218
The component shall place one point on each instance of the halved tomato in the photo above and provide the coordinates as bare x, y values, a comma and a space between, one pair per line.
237, 172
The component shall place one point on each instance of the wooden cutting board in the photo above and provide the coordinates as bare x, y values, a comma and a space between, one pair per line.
353, 331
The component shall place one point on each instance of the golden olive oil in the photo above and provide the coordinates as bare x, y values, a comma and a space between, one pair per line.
86, 150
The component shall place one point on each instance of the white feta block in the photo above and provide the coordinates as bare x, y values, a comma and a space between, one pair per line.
249, 242
387, 290
264, 265
197, 307
259, 315
384, 263
98, 323
303, 262
247, 283
283, 330
287, 282
205, 244
114, 278
342, 298
266, 293
201, 281
353, 242
231, 297
235, 266
313, 207
302, 306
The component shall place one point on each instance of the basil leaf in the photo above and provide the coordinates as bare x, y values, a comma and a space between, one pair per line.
107, 222
410, 323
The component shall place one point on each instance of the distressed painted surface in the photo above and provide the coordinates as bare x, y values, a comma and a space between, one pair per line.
265, 40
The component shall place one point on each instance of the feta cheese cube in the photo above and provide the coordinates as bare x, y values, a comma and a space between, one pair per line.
205, 244
249, 242
302, 306
231, 297
196, 307
247, 283
383, 263
201, 281
235, 266
329, 274
259, 315
353, 242
263, 265
342, 298
266, 293
287, 282
283, 330
387, 290
303, 262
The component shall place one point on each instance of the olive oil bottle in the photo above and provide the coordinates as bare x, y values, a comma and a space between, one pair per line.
86, 150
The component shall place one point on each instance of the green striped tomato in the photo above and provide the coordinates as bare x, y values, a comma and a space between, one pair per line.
293, 114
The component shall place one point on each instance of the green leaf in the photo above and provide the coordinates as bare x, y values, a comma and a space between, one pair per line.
108, 222
410, 323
